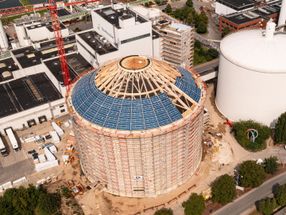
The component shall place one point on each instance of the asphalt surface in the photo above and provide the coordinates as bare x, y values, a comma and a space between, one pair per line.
16, 171
248, 200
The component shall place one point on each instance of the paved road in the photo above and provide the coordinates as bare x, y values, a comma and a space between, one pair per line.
16, 171
248, 200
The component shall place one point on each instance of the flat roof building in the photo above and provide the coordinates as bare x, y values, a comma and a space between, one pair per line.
224, 7
117, 32
177, 42
256, 17
27, 101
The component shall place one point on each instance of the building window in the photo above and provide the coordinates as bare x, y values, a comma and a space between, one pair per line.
31, 122
135, 38
42, 119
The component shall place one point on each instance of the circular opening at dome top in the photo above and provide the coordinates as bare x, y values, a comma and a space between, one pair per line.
134, 62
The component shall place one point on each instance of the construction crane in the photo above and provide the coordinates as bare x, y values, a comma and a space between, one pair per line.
30, 8
60, 43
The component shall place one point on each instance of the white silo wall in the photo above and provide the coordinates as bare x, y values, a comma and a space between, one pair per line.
244, 94
252, 76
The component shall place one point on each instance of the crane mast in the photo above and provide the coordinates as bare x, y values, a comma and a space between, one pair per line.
60, 43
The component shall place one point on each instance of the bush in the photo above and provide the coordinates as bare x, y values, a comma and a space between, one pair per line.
195, 205
280, 129
266, 206
270, 165
223, 189
164, 211
251, 174
240, 133
280, 195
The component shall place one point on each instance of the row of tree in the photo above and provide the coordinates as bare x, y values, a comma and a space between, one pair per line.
223, 189
190, 16
267, 205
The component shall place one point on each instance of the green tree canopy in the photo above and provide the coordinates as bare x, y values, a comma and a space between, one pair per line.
266, 206
168, 9
223, 189
240, 133
29, 201
195, 205
164, 211
251, 174
270, 164
280, 195
49, 203
189, 3
225, 31
280, 129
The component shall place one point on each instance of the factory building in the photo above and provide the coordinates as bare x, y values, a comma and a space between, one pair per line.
33, 29
138, 123
117, 31
256, 17
225, 7
177, 39
252, 75
31, 83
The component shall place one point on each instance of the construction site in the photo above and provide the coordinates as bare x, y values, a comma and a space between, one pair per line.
103, 100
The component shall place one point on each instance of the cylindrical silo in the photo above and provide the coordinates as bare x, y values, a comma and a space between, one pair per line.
252, 76
3, 38
138, 124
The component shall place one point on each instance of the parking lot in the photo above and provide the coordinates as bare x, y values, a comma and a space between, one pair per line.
20, 163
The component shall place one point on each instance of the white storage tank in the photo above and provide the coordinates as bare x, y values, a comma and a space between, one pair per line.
252, 76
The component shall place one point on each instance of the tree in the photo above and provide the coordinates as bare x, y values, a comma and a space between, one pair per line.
223, 189
212, 53
280, 129
266, 206
225, 31
240, 130
26, 201
280, 195
164, 211
201, 28
251, 174
49, 203
195, 205
270, 164
189, 3
168, 9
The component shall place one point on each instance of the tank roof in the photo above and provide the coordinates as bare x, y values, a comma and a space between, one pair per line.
136, 93
251, 50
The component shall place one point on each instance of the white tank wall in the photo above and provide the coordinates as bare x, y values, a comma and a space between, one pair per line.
3, 38
245, 94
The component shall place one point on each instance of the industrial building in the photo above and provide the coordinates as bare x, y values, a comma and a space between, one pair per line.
138, 123
225, 7
117, 31
256, 17
177, 42
177, 39
252, 75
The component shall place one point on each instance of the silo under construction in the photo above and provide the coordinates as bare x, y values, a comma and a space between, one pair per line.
138, 124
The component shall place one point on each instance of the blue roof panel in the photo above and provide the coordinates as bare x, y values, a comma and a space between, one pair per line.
125, 114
